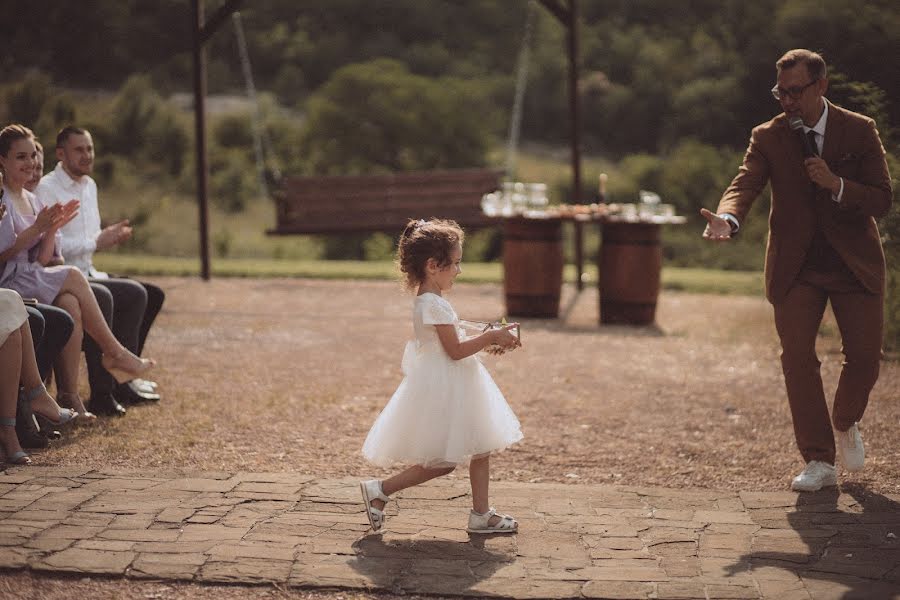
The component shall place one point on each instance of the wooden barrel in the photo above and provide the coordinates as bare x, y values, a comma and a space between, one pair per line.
532, 266
630, 265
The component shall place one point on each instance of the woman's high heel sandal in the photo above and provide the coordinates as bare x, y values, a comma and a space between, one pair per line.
60, 416
72, 401
121, 374
19, 457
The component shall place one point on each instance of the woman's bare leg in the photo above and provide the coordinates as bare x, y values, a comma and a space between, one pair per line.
92, 321
41, 403
69, 359
10, 367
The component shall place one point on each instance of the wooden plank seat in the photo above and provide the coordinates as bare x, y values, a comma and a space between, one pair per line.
359, 203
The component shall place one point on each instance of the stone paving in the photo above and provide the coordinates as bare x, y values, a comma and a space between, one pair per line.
576, 541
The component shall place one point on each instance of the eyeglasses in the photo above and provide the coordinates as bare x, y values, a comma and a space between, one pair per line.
794, 93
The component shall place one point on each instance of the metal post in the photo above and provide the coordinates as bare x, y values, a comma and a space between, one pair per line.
575, 128
200, 134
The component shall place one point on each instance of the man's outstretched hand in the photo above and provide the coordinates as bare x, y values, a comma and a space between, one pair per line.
717, 228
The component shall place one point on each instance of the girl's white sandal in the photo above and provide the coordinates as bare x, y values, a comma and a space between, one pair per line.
371, 490
480, 523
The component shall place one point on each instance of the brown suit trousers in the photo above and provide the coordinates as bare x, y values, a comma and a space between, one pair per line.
854, 152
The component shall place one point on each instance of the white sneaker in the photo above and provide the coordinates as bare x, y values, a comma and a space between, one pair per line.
850, 448
814, 477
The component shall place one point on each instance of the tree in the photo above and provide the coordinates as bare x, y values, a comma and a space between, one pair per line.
377, 116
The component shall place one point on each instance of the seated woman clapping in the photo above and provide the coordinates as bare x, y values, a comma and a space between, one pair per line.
28, 245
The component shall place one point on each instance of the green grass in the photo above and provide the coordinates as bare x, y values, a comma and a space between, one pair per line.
673, 278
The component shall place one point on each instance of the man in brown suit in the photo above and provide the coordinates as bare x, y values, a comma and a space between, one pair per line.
829, 182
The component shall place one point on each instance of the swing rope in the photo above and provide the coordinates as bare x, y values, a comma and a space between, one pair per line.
261, 144
515, 123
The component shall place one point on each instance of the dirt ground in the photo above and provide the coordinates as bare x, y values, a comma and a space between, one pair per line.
288, 375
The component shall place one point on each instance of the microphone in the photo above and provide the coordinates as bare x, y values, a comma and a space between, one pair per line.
797, 125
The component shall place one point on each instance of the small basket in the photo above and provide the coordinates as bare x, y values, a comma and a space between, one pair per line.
482, 326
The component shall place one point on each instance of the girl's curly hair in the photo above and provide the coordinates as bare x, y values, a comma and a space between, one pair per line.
422, 240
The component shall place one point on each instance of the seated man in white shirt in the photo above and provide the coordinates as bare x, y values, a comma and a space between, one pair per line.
135, 304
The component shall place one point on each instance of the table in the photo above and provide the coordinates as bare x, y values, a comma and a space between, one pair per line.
629, 264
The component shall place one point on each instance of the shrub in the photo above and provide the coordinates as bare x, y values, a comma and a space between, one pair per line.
25, 100
234, 131
145, 128
232, 180
377, 116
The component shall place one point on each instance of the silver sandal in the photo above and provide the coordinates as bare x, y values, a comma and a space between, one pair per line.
480, 523
372, 490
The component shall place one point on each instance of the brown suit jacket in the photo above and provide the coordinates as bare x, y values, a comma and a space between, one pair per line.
853, 151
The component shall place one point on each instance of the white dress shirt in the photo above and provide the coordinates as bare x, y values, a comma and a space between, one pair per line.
819, 130
79, 236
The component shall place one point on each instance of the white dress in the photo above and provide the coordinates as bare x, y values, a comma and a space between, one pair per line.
12, 313
445, 411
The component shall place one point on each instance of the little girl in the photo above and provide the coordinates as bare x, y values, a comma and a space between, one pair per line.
447, 410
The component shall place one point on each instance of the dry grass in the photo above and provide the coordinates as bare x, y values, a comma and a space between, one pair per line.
288, 375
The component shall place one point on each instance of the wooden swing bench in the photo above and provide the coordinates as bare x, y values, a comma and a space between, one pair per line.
364, 203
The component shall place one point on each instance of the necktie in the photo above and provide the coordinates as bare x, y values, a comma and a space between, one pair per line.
812, 141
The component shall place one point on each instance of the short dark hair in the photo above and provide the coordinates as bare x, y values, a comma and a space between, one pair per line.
815, 64
69, 130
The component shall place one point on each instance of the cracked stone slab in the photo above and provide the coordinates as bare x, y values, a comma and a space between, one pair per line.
84, 560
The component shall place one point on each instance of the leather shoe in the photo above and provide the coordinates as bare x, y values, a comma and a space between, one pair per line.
29, 435
144, 385
105, 404
128, 393
815, 476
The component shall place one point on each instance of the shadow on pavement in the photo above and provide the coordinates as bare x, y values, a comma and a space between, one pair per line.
845, 539
428, 566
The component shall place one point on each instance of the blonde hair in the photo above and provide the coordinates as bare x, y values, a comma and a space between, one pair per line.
422, 240
10, 134
815, 64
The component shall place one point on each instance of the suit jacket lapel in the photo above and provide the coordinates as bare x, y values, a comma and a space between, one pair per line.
834, 134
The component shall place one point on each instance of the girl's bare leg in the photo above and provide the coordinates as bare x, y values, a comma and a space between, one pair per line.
10, 367
408, 478
479, 478
118, 357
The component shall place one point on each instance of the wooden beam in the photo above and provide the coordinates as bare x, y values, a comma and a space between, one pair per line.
558, 10
217, 19
575, 134
202, 162
201, 31
568, 17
